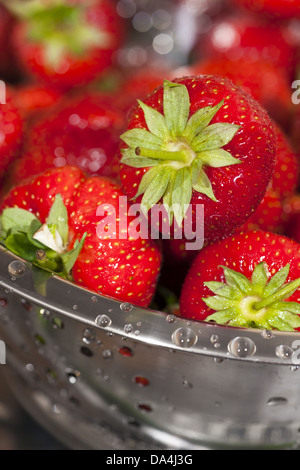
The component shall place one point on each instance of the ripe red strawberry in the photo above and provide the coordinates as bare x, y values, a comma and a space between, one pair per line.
121, 268
11, 130
198, 141
255, 80
278, 8
53, 221
140, 83
269, 216
291, 208
245, 37
285, 178
34, 99
66, 43
248, 280
82, 131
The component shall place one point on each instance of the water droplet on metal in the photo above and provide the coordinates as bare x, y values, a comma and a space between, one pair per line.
103, 321
107, 354
142, 381
267, 334
275, 401
241, 347
128, 328
16, 268
184, 337
187, 384
126, 307
88, 336
284, 352
72, 375
3, 302
75, 307
94, 299
170, 318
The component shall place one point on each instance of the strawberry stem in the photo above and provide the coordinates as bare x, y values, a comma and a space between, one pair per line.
281, 294
182, 156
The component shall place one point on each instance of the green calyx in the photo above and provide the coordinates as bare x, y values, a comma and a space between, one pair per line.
177, 148
44, 245
59, 27
256, 303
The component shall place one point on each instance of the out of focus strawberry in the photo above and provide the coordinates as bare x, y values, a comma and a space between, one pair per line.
82, 131
64, 42
257, 79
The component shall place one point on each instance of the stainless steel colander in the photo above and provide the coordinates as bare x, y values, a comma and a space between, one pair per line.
100, 374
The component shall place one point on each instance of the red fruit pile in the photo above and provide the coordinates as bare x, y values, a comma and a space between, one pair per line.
172, 184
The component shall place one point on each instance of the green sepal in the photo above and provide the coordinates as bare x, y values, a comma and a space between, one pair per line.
58, 218
156, 122
176, 107
214, 136
255, 303
14, 218
200, 119
69, 258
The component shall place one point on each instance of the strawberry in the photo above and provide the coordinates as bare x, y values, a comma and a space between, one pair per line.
248, 280
11, 131
269, 216
285, 178
53, 220
291, 209
256, 81
275, 8
33, 99
241, 36
112, 265
198, 141
66, 43
82, 130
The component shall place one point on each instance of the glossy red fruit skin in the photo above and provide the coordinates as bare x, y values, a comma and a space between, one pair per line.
241, 252
239, 189
120, 268
255, 79
276, 8
269, 216
124, 269
285, 178
34, 99
82, 131
11, 131
245, 37
75, 71
37, 194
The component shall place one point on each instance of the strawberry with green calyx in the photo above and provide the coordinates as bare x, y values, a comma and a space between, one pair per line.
44, 245
198, 140
81, 130
58, 221
250, 280
64, 42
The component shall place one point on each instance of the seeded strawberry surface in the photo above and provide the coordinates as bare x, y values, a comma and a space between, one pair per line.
232, 191
11, 132
59, 217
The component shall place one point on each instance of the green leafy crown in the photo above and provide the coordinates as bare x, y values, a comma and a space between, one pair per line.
44, 245
60, 27
255, 303
176, 148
